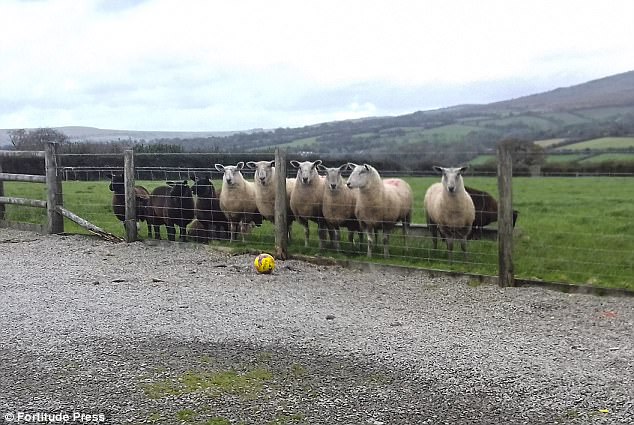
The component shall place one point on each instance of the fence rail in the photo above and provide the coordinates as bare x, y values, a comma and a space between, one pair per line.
552, 221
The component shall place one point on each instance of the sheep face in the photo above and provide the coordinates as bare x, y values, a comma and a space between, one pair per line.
306, 171
451, 178
359, 176
231, 173
203, 187
263, 171
333, 176
117, 184
180, 190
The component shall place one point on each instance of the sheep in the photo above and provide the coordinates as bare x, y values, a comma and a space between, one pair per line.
381, 203
486, 211
211, 221
265, 190
237, 199
173, 206
306, 198
338, 204
142, 196
449, 209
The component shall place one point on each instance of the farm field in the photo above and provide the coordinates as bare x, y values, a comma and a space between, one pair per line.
564, 233
602, 143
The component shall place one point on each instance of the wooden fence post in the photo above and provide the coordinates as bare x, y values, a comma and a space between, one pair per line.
1, 193
505, 215
54, 196
130, 198
281, 206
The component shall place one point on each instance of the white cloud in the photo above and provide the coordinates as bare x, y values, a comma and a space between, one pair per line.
199, 65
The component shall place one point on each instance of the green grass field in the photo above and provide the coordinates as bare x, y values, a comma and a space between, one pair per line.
602, 143
576, 230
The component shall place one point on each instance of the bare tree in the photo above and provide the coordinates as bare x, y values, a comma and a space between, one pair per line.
35, 140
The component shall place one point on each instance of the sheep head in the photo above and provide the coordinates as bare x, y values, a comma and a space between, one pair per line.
263, 171
306, 171
203, 187
117, 184
451, 178
231, 173
360, 175
333, 176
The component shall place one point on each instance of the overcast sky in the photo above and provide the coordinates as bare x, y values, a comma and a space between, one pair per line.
236, 65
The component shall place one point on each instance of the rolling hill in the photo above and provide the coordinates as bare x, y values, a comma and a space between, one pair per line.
596, 109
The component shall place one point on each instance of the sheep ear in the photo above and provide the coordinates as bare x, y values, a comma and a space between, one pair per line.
240, 165
220, 167
366, 166
317, 163
321, 168
295, 163
343, 167
272, 163
463, 169
251, 165
350, 165
437, 169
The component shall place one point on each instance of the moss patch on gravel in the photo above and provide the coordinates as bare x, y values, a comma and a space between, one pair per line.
247, 383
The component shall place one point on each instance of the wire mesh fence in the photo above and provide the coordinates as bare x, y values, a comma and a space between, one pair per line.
568, 227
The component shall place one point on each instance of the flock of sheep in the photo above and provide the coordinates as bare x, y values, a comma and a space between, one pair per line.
365, 204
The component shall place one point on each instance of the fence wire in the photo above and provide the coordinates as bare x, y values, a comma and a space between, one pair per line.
571, 227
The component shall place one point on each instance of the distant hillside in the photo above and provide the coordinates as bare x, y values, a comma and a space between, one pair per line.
92, 134
617, 90
596, 109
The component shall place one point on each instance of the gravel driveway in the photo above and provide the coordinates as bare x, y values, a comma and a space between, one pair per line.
177, 333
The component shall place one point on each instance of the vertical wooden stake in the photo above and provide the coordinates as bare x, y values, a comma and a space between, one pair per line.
505, 215
130, 198
1, 194
54, 195
281, 206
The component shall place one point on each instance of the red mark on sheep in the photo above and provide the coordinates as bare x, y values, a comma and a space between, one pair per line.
392, 182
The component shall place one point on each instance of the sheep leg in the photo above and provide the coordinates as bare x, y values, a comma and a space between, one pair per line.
386, 244
336, 237
182, 231
371, 234
157, 231
171, 232
449, 249
322, 233
233, 231
463, 245
304, 223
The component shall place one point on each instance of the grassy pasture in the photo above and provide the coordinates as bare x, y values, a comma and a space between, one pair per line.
602, 143
575, 230
605, 157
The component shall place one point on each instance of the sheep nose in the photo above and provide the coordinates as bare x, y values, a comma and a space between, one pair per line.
304, 180
348, 184
452, 189
333, 186
262, 179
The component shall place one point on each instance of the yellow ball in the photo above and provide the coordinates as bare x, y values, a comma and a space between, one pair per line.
264, 263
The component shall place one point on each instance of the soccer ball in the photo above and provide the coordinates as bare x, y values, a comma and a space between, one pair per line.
264, 263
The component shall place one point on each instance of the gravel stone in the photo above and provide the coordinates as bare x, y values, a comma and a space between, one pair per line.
181, 333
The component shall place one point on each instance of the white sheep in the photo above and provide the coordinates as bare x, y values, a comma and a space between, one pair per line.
449, 209
381, 203
306, 198
237, 198
338, 204
265, 189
